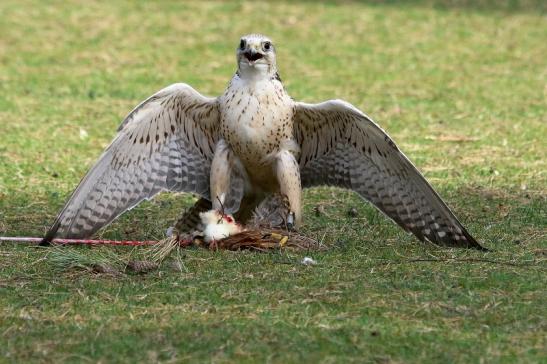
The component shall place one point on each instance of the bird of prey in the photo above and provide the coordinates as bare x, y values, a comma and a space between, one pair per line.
253, 141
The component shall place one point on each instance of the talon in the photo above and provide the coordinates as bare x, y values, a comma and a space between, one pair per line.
290, 221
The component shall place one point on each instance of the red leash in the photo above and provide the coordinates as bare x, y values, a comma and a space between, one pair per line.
17, 239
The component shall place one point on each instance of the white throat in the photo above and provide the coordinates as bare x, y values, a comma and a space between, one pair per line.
255, 73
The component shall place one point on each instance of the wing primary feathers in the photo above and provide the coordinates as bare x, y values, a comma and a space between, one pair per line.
138, 163
366, 160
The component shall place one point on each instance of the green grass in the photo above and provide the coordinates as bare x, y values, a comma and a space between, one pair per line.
460, 85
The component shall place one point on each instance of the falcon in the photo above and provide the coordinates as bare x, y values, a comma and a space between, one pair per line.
252, 142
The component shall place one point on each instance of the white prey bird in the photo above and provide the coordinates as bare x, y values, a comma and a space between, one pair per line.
218, 226
252, 141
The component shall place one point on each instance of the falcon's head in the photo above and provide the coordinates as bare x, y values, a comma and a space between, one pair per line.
256, 55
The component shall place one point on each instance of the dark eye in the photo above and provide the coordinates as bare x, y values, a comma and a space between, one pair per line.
242, 44
267, 46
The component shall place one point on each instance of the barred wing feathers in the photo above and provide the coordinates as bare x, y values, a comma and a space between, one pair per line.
341, 146
165, 143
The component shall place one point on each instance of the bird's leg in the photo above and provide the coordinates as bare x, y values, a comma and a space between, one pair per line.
288, 177
290, 220
220, 174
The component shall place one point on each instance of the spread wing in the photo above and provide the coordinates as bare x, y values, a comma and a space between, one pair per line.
341, 146
166, 143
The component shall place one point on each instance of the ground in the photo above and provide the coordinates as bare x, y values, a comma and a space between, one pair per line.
459, 85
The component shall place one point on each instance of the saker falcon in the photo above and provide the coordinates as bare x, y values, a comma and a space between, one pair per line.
252, 141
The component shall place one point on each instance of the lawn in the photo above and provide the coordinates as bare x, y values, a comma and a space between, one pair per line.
460, 86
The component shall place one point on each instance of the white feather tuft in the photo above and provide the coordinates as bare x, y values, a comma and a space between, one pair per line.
218, 226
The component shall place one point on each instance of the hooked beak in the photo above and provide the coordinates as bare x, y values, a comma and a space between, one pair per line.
252, 55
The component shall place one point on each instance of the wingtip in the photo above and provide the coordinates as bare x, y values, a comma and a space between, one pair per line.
473, 243
50, 235
46, 241
465, 241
